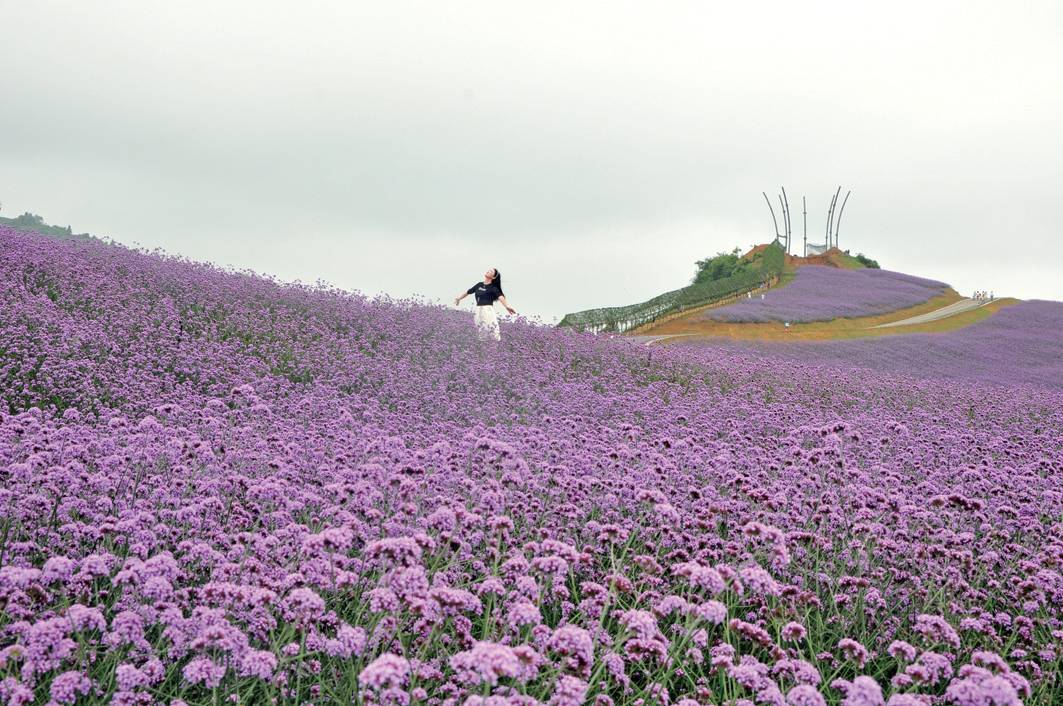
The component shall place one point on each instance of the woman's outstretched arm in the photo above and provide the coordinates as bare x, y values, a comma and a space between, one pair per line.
457, 299
506, 304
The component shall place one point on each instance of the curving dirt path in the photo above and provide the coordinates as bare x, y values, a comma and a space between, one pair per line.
945, 311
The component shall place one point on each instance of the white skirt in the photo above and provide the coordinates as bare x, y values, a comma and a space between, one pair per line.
486, 323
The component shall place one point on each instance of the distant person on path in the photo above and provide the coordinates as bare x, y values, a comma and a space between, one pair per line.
486, 293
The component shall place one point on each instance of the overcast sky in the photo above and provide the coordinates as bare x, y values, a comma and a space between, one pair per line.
592, 151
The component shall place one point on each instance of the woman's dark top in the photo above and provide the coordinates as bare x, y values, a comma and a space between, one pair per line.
486, 294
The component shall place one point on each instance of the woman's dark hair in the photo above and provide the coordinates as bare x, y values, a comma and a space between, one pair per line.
497, 281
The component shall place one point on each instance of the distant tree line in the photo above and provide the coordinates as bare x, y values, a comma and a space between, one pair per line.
33, 222
865, 260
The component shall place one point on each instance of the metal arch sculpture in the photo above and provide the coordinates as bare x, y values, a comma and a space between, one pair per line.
833, 226
772, 215
830, 215
786, 210
785, 234
838, 224
804, 219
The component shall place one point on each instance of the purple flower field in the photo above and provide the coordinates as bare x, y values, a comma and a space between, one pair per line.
1019, 345
218, 489
820, 293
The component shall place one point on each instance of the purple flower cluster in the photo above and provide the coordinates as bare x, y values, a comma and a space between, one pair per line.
821, 293
220, 489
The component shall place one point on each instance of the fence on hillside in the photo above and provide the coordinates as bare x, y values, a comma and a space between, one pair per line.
618, 319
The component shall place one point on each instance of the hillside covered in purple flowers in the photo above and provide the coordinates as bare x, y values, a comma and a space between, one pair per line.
1021, 344
821, 293
220, 489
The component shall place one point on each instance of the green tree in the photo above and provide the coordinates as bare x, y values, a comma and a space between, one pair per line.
719, 266
867, 261
29, 219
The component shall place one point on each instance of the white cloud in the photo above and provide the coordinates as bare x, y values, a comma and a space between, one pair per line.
591, 150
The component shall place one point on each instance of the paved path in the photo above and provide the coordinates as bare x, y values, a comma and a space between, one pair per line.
944, 312
647, 340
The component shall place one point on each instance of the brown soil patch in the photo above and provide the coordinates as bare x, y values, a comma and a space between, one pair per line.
832, 258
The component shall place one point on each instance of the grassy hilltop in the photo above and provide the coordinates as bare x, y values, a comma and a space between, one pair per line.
31, 222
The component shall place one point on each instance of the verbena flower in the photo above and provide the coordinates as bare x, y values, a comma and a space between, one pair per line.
386, 671
485, 663
793, 632
66, 687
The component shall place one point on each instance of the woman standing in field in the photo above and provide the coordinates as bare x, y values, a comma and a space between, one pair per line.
486, 293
